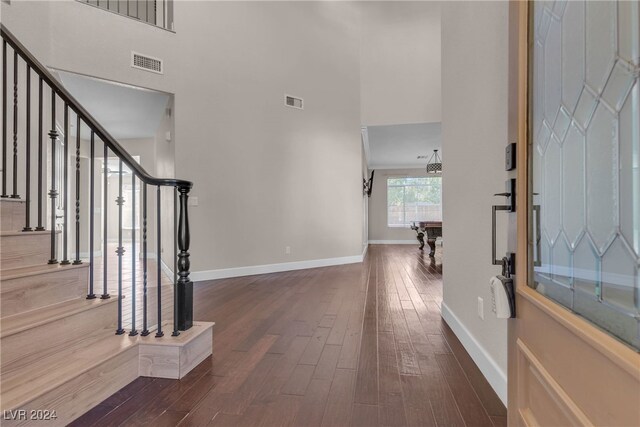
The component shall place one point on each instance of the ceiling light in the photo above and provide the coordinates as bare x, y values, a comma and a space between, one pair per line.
434, 165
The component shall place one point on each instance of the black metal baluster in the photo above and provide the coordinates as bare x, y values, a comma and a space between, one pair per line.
53, 193
91, 294
120, 250
65, 187
105, 201
40, 226
175, 332
14, 194
77, 260
185, 286
27, 194
133, 331
145, 331
159, 333
4, 119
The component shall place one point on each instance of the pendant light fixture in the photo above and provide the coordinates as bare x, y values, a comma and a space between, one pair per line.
434, 165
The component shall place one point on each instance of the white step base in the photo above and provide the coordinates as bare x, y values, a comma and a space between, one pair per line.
24, 249
175, 357
30, 288
76, 379
29, 335
12, 214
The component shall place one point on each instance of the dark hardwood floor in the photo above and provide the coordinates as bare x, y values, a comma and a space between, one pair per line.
353, 345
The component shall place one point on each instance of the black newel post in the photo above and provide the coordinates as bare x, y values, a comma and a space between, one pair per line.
185, 286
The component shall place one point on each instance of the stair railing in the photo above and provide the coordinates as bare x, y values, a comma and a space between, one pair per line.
46, 82
158, 13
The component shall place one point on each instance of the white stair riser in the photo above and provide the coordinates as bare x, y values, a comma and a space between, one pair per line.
24, 250
84, 391
54, 335
22, 294
12, 215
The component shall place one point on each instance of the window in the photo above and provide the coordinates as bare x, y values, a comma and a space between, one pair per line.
413, 199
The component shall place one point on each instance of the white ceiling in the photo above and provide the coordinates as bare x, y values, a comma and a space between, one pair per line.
126, 112
398, 146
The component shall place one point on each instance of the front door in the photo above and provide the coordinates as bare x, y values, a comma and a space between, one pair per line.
573, 348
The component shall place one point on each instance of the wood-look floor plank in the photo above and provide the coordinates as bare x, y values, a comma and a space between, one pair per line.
361, 344
312, 353
246, 393
367, 372
364, 415
282, 411
242, 370
326, 366
486, 394
499, 421
190, 398
282, 370
416, 395
299, 380
206, 410
391, 406
340, 403
314, 403
169, 419
470, 406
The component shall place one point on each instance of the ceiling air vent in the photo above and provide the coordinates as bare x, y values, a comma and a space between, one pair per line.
147, 63
293, 102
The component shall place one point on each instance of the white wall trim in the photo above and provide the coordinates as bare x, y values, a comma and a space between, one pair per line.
252, 270
394, 242
489, 368
364, 251
364, 133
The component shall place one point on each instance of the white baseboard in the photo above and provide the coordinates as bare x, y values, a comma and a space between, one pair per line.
489, 368
394, 242
252, 270
364, 251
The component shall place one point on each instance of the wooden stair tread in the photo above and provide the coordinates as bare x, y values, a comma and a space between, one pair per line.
26, 233
34, 270
25, 383
20, 322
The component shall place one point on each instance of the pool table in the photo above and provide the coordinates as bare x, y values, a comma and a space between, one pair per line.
433, 230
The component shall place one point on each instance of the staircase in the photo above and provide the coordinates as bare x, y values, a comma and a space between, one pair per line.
74, 331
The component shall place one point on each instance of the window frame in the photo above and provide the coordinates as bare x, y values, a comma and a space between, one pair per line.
390, 177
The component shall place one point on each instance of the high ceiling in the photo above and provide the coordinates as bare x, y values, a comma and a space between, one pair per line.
126, 112
398, 146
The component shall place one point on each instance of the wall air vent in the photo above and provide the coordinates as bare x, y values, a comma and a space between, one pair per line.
147, 63
293, 102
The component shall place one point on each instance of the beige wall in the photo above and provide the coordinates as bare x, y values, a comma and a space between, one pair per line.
475, 130
378, 229
266, 176
400, 62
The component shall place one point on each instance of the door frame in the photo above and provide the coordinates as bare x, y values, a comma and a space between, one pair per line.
613, 350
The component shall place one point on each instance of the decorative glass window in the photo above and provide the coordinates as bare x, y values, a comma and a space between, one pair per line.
585, 151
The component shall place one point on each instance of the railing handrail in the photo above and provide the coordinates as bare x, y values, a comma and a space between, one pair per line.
95, 126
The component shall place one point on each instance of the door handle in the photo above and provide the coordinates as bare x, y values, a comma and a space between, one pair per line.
494, 209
